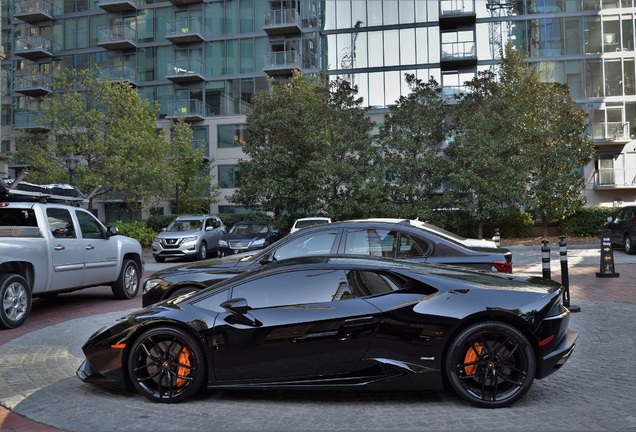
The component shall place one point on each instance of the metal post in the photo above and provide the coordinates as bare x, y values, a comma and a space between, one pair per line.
565, 279
497, 237
545, 259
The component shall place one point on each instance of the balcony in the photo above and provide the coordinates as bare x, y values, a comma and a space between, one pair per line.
282, 62
117, 37
29, 121
33, 11
456, 12
33, 84
114, 6
33, 47
612, 133
187, 30
457, 54
119, 73
285, 21
184, 2
615, 178
188, 110
185, 71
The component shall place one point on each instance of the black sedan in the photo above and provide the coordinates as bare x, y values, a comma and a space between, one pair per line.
248, 236
390, 238
338, 322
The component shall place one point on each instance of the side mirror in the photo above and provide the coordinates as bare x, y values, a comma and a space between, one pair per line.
237, 305
609, 219
112, 231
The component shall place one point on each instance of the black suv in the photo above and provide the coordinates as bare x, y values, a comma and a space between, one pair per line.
623, 228
391, 238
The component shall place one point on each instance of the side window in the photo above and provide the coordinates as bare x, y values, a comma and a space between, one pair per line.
367, 283
61, 223
213, 302
316, 243
409, 247
291, 288
370, 242
89, 226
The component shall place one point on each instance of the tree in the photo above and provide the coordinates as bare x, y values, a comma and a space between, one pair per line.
309, 150
194, 191
413, 160
113, 133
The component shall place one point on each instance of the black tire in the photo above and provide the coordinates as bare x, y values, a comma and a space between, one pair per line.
490, 365
166, 365
15, 299
629, 246
182, 291
127, 285
203, 251
159, 259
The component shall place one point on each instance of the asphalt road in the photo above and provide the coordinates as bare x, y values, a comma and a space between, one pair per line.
593, 391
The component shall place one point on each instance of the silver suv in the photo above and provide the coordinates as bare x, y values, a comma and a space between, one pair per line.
188, 237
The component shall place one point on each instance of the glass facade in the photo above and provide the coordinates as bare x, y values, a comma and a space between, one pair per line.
203, 60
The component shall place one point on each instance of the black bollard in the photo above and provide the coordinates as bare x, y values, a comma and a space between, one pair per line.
545, 259
565, 279
497, 237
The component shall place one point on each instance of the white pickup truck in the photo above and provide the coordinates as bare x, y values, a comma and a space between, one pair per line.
47, 248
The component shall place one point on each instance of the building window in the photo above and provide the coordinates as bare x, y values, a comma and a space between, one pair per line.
232, 135
229, 176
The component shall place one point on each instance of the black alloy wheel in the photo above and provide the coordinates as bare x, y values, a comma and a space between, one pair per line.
490, 365
166, 365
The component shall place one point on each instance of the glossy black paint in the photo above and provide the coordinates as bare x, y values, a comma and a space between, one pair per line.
393, 339
623, 229
323, 239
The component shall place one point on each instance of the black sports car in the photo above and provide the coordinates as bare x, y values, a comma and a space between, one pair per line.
337, 322
391, 238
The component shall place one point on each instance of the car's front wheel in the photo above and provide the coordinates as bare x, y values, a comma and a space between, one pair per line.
15, 296
629, 246
127, 284
490, 365
203, 251
167, 365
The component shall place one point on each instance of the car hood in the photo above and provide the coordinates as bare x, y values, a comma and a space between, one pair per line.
177, 234
214, 265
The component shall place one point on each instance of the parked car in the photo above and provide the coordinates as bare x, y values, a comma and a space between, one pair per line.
623, 228
391, 238
307, 222
342, 322
247, 236
188, 237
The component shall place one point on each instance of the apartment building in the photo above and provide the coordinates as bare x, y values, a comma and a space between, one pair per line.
203, 59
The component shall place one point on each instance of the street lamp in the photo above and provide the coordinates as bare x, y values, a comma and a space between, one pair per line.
71, 164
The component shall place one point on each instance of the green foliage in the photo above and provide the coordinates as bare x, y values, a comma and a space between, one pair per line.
586, 222
231, 219
158, 222
137, 229
512, 224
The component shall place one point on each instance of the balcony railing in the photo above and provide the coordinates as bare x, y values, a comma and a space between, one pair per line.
32, 84
189, 110
29, 120
120, 73
615, 178
282, 22
185, 30
457, 7
33, 47
611, 132
453, 51
185, 70
282, 62
118, 5
33, 11
117, 37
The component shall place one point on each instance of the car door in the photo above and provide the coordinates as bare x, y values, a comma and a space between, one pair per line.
299, 324
100, 253
212, 232
386, 243
67, 252
619, 224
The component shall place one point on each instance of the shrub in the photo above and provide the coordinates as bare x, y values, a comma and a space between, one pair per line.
586, 222
137, 229
158, 222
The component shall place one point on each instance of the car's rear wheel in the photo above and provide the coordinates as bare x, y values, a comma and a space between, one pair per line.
490, 365
629, 246
15, 296
166, 365
127, 284
203, 251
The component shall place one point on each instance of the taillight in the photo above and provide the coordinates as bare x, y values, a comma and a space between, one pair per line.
502, 266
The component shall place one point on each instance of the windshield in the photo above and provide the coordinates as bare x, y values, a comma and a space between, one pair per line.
248, 228
184, 225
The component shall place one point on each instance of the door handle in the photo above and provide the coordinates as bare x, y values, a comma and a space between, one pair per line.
90, 247
58, 247
358, 322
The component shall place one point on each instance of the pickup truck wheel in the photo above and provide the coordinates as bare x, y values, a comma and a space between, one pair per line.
127, 285
15, 296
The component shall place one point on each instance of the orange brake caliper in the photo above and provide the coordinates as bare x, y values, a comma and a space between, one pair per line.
184, 369
472, 355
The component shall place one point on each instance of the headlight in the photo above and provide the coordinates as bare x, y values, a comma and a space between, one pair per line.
258, 242
189, 239
222, 243
156, 240
150, 284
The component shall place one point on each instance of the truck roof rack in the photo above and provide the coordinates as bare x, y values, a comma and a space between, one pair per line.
16, 190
